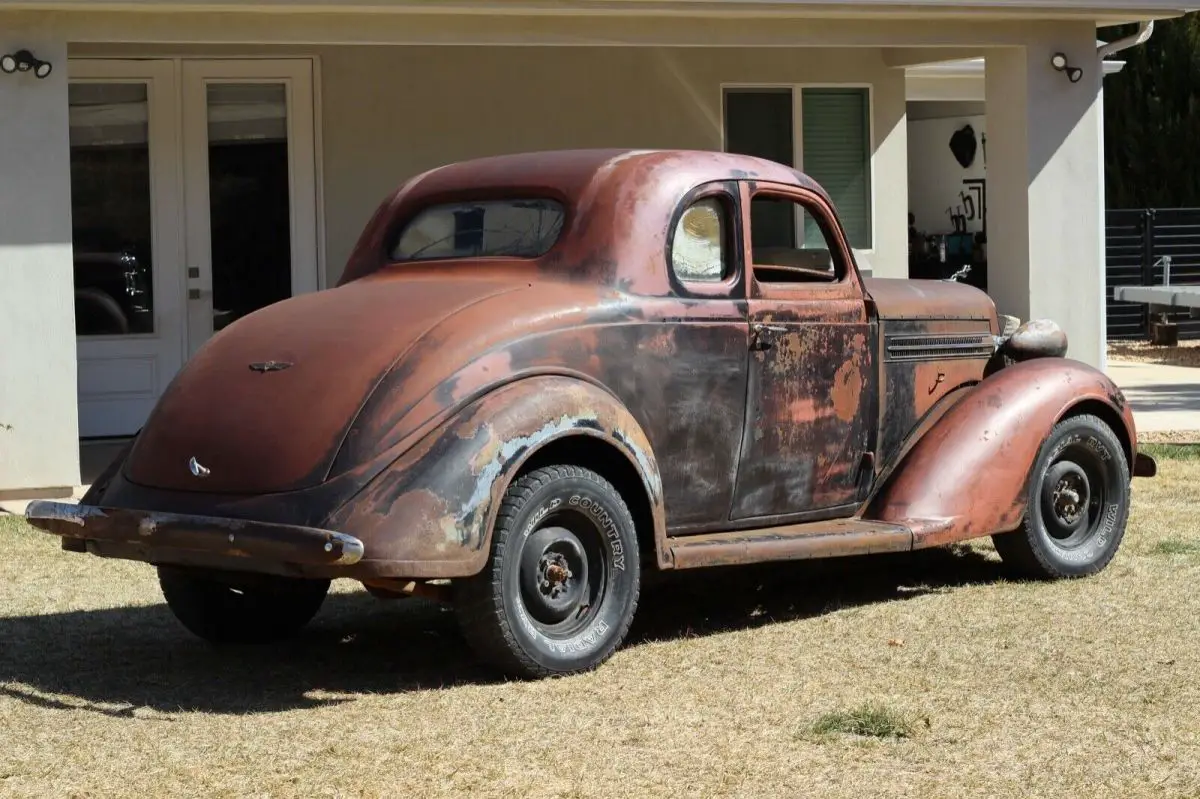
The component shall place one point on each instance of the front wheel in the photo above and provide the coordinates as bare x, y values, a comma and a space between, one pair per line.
1077, 503
240, 609
561, 586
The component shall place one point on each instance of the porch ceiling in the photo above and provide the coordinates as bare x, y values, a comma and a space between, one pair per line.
804, 26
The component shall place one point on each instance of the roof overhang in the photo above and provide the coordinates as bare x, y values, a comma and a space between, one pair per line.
962, 80
1110, 11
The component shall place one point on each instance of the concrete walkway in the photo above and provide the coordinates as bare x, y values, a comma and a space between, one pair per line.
1163, 397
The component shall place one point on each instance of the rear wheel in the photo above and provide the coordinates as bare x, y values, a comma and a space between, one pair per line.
560, 588
1077, 503
240, 609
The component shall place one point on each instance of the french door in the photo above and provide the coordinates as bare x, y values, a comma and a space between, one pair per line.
193, 204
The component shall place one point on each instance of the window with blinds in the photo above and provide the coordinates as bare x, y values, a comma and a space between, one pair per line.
835, 149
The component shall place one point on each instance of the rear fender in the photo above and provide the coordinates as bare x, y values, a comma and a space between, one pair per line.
430, 514
966, 477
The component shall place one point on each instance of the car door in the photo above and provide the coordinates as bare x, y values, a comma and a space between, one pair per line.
812, 398
691, 364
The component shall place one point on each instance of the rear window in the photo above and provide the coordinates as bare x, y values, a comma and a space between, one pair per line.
518, 228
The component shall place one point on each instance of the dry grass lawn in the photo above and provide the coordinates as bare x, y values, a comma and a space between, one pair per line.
950, 679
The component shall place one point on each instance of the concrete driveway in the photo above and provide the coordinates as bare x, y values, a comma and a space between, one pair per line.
1163, 397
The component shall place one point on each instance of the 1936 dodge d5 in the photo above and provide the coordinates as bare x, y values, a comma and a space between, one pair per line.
541, 373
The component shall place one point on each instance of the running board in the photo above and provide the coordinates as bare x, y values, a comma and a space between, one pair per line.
836, 537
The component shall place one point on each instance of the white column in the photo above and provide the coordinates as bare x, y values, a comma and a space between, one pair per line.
39, 432
1045, 189
889, 175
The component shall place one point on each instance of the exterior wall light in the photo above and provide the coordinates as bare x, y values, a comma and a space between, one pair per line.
1059, 62
24, 61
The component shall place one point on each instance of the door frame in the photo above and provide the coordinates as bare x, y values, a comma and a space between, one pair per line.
166, 223
297, 77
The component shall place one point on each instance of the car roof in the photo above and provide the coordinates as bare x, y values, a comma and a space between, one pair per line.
621, 202
571, 172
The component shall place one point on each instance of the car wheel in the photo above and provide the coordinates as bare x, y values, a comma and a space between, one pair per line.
240, 609
561, 583
1077, 503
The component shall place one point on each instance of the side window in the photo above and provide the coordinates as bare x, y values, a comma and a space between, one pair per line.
699, 245
787, 243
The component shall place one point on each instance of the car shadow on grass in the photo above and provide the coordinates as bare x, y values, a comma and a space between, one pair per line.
116, 661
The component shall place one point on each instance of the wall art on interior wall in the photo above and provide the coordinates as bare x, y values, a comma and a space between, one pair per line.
963, 144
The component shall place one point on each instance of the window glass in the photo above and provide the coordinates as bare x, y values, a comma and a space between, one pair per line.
796, 252
698, 246
111, 208
517, 228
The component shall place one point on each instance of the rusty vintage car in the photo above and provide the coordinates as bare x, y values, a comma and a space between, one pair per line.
541, 373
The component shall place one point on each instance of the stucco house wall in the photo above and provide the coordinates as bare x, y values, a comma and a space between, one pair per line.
378, 130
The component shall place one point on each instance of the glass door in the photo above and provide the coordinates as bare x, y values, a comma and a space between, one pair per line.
250, 177
126, 204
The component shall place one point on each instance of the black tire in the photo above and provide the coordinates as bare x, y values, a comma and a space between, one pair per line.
561, 584
240, 609
1077, 504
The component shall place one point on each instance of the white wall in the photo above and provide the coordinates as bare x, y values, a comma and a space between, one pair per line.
38, 420
935, 177
1046, 188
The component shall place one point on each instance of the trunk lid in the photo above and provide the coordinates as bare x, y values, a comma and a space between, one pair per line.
277, 426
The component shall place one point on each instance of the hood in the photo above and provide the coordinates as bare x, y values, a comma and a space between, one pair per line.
896, 298
265, 404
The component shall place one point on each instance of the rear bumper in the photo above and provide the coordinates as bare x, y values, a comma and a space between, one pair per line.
171, 537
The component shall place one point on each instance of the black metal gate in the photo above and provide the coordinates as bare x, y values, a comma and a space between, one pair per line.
1136, 241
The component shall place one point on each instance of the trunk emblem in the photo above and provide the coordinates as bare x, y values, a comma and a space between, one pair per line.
269, 366
198, 469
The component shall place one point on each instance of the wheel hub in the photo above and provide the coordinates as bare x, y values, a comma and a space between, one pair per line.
554, 576
1068, 499
555, 573
1067, 495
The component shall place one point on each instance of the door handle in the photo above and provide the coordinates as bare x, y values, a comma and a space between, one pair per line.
762, 337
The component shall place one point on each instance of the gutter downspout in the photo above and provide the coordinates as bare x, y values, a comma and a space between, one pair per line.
1145, 28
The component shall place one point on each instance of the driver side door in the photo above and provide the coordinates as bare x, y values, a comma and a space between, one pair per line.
812, 401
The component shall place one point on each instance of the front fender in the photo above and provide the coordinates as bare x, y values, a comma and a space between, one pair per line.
430, 514
966, 477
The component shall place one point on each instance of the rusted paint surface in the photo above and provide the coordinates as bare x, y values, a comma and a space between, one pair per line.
1037, 338
966, 476
447, 513
278, 431
805, 431
933, 300
825, 539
